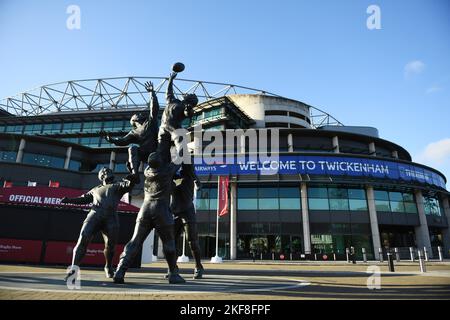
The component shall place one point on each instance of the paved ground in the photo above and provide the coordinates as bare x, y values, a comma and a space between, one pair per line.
234, 281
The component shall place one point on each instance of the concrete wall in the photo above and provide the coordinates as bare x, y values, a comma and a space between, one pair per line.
256, 105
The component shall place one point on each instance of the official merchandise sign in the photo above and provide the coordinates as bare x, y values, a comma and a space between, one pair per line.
327, 165
49, 197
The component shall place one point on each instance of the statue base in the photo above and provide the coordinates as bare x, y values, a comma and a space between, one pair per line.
216, 259
183, 258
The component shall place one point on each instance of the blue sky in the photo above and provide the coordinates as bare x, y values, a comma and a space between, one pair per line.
320, 52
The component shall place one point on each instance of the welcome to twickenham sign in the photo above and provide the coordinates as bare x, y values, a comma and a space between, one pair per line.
323, 165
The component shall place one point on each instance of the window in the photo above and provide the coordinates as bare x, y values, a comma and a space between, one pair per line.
207, 199
74, 165
275, 113
51, 128
14, 129
432, 206
43, 160
394, 201
71, 127
8, 156
120, 167
32, 129
91, 142
92, 126
247, 204
268, 198
318, 204
317, 193
337, 199
357, 205
115, 126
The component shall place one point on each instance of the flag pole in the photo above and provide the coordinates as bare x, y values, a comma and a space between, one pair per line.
216, 258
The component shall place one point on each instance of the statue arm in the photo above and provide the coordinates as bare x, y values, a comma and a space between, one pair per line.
154, 108
122, 141
170, 96
126, 185
153, 105
84, 199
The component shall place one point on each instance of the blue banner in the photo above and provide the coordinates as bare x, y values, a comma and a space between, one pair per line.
320, 165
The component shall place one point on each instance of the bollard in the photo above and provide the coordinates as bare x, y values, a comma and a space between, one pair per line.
440, 254
425, 252
411, 253
380, 252
364, 254
273, 256
315, 256
390, 259
290, 255
421, 262
397, 254
334, 256
346, 253
260, 256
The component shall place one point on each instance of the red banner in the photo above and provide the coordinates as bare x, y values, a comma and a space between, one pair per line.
61, 252
222, 207
49, 197
20, 250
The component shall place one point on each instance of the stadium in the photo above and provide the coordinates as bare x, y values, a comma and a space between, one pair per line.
335, 186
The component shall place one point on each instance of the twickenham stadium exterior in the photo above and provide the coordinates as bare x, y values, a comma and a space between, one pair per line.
333, 187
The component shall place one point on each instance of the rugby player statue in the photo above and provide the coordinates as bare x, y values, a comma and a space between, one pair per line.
102, 217
143, 133
183, 210
154, 213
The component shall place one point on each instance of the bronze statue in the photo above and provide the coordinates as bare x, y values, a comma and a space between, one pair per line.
102, 217
144, 132
183, 210
174, 113
154, 213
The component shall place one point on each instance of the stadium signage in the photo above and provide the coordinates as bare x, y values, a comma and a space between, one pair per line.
49, 197
325, 165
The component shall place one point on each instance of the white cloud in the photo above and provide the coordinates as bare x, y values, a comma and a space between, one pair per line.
433, 89
436, 153
414, 67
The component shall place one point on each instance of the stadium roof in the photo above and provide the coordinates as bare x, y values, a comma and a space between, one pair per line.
124, 93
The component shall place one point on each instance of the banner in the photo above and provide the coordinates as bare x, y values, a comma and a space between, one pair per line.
326, 165
61, 252
222, 207
13, 250
49, 197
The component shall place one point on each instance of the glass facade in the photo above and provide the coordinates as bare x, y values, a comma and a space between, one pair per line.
336, 237
432, 206
337, 199
68, 127
43, 160
8, 156
207, 199
267, 198
398, 202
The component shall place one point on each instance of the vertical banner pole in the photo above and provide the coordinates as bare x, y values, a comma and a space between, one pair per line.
216, 258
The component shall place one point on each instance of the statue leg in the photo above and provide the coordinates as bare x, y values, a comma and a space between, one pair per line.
141, 231
110, 236
192, 234
165, 228
133, 162
91, 225
178, 229
164, 142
